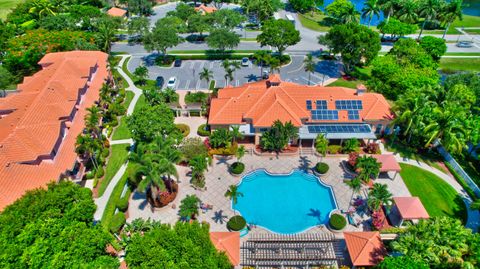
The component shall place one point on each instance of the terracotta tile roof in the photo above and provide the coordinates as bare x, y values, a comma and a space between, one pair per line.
39, 123
117, 12
205, 9
410, 208
266, 101
228, 242
365, 248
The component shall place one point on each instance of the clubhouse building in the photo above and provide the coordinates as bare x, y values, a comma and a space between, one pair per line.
39, 123
337, 112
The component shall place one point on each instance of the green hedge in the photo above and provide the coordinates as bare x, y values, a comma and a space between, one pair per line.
236, 223
237, 168
184, 129
212, 56
122, 203
201, 131
100, 172
321, 168
337, 222
117, 222
196, 97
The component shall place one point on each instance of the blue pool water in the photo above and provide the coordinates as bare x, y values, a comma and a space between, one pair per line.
285, 204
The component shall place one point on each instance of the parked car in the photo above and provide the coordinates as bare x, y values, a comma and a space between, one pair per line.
265, 74
465, 44
171, 82
177, 63
245, 61
159, 81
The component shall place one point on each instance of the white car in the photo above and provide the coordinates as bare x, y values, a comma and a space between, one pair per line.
244, 61
171, 82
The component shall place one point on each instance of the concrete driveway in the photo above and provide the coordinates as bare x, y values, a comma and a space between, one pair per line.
188, 74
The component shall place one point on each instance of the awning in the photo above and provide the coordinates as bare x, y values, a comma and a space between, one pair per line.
246, 129
365, 248
337, 131
410, 208
388, 161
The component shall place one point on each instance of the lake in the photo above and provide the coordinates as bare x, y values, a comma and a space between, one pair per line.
472, 8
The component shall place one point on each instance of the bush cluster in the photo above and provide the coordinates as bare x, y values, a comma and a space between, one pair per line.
224, 151
184, 129
237, 168
203, 131
334, 149
100, 172
122, 203
236, 223
117, 222
197, 97
321, 168
337, 222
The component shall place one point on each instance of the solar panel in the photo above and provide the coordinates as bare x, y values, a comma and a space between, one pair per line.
339, 128
353, 115
309, 104
324, 114
348, 104
321, 104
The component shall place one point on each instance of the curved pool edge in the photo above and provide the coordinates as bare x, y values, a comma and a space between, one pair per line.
288, 174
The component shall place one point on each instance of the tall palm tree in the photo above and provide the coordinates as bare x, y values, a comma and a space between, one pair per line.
379, 195
321, 144
240, 152
428, 10
309, 66
198, 164
151, 178
356, 185
206, 75
450, 13
409, 11
105, 35
233, 194
447, 126
368, 168
43, 8
388, 7
262, 57
371, 8
235, 132
351, 15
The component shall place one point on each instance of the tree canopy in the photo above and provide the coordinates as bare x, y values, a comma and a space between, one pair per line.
53, 229
222, 39
279, 34
396, 28
151, 121
358, 44
185, 245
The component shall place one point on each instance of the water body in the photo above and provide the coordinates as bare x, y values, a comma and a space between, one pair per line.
472, 7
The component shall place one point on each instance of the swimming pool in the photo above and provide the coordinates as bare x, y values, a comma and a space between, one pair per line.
284, 203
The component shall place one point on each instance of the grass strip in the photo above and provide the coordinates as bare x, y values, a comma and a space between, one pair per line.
118, 156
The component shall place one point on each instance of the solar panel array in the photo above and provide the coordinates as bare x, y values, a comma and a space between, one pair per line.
324, 114
339, 128
353, 115
348, 104
309, 104
321, 104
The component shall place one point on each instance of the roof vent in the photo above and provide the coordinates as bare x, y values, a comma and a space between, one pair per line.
361, 89
273, 80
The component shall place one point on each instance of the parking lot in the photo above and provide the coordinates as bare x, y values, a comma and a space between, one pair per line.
188, 77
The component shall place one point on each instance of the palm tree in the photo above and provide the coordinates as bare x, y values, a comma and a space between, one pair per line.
151, 178
321, 144
450, 13
262, 57
309, 66
240, 152
350, 15
368, 168
206, 75
198, 164
233, 194
274, 65
428, 10
43, 8
105, 35
388, 7
379, 195
290, 131
235, 133
370, 9
356, 185
409, 13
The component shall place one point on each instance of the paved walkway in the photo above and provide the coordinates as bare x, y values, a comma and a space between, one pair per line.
102, 201
473, 220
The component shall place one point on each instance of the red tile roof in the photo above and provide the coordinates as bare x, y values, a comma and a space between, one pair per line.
117, 12
205, 9
228, 242
410, 208
42, 118
365, 248
266, 101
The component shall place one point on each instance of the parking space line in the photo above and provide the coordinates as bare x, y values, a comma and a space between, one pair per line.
187, 84
198, 85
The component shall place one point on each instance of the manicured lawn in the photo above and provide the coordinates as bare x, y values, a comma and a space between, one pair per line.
140, 103
462, 54
460, 64
438, 198
122, 131
6, 6
118, 156
345, 83
468, 21
473, 31
313, 22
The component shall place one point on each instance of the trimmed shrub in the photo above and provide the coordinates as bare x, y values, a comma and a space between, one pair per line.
203, 130
372, 148
100, 172
237, 168
236, 223
122, 203
184, 129
321, 168
90, 175
197, 97
337, 222
117, 222
334, 149
105, 152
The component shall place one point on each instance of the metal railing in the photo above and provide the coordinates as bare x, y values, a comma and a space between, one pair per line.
449, 158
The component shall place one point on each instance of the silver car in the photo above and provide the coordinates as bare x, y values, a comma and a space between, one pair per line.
465, 44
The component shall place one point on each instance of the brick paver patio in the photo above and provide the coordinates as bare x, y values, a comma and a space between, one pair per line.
218, 179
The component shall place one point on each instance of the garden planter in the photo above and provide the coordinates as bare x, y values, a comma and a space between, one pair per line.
164, 199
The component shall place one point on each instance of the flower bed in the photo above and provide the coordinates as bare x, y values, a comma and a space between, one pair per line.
164, 198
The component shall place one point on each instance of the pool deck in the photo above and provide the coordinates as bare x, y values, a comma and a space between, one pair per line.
218, 179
